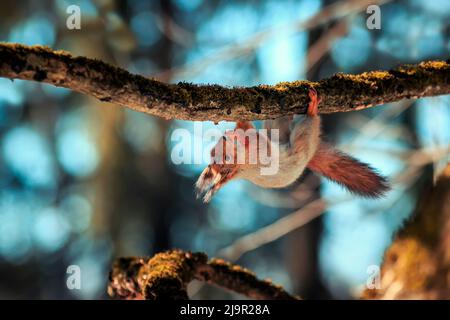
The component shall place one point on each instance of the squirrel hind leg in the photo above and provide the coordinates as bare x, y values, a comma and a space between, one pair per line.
313, 107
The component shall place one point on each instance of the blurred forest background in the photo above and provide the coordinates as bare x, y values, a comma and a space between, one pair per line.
83, 182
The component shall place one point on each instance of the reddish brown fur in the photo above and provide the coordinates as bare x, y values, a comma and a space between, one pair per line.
356, 176
313, 108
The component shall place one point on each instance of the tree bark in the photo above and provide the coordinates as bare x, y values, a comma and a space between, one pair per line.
341, 92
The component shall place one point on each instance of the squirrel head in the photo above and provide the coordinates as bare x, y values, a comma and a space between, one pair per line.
230, 157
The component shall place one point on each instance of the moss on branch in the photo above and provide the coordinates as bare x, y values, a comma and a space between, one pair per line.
167, 274
340, 93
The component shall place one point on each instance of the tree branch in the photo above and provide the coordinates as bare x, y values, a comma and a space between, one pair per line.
167, 274
341, 92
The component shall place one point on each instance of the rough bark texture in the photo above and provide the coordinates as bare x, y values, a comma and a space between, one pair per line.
167, 274
417, 264
341, 92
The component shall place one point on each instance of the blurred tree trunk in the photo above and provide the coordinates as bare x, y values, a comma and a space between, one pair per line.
417, 264
304, 262
135, 189
162, 220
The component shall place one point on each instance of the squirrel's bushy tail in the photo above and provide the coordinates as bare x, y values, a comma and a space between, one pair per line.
356, 176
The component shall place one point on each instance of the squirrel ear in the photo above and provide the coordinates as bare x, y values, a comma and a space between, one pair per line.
244, 125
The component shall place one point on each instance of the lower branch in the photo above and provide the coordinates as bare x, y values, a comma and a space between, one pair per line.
341, 92
167, 274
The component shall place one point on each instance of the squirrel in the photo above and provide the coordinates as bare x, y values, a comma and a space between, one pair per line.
300, 147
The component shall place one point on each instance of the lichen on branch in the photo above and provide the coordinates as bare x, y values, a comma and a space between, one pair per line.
166, 276
186, 101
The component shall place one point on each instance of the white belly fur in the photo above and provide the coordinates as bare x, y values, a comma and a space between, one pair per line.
290, 169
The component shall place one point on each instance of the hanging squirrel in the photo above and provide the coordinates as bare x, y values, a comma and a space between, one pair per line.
299, 146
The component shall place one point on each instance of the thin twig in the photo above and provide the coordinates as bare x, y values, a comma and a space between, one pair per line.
274, 231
